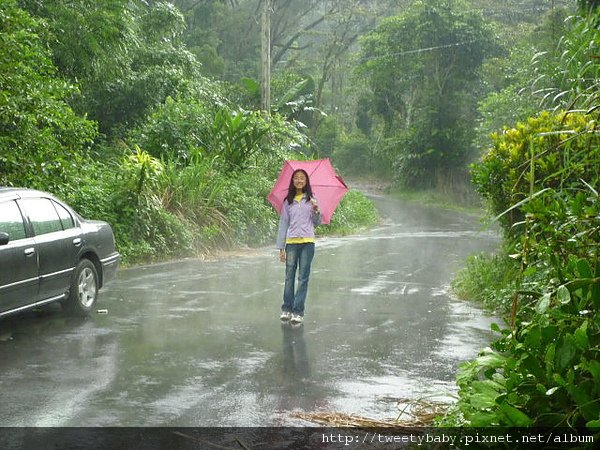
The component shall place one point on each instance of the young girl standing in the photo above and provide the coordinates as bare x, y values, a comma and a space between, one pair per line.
296, 243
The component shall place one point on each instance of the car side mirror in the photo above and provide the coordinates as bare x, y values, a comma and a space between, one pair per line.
4, 238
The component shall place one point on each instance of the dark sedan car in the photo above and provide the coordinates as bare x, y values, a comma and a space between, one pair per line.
49, 253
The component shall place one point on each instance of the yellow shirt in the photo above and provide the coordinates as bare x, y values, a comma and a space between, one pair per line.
299, 240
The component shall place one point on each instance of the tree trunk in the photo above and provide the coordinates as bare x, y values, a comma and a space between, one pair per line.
266, 56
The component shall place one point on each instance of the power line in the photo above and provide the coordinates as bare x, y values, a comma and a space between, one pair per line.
419, 50
428, 49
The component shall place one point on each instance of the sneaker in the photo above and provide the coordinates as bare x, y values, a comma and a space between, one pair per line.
296, 319
285, 316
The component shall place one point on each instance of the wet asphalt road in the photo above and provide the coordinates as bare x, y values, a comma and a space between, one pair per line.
199, 343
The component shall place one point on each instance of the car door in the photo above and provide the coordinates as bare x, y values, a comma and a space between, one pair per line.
18, 260
58, 241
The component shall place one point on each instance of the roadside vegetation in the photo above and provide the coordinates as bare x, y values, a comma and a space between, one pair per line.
147, 115
466, 202
540, 181
544, 370
120, 122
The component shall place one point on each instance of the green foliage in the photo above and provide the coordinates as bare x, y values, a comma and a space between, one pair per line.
143, 224
545, 372
560, 227
212, 65
588, 6
126, 57
41, 138
326, 140
578, 80
251, 92
181, 127
175, 129
191, 192
353, 154
85, 36
162, 22
242, 201
225, 27
561, 72
129, 197
508, 100
293, 98
236, 137
488, 279
354, 213
550, 150
541, 178
419, 67
565, 74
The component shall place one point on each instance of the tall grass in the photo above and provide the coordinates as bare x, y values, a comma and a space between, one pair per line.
190, 192
488, 279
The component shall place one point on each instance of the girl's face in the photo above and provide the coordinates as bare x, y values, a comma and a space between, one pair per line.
299, 181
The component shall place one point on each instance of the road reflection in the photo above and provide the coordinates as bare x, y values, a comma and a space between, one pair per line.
296, 367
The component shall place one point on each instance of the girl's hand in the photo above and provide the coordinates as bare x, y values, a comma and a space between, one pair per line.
282, 255
315, 205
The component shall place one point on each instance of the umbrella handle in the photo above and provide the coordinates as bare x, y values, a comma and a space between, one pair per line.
315, 204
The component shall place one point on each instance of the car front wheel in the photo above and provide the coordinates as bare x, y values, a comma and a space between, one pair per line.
84, 289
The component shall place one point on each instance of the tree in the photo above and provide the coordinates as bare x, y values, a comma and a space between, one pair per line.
205, 22
158, 66
126, 57
421, 68
41, 137
310, 38
315, 39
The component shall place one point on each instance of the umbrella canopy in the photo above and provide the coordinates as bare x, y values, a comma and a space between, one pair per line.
327, 187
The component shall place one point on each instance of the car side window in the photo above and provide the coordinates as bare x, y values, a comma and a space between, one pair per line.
66, 219
11, 220
43, 215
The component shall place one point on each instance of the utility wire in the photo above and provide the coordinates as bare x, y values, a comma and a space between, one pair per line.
428, 49
419, 50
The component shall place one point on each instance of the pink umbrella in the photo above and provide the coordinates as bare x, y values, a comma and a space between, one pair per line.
327, 187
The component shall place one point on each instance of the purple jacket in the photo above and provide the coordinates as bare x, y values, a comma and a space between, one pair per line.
297, 220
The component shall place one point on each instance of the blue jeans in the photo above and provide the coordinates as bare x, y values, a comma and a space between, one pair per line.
297, 256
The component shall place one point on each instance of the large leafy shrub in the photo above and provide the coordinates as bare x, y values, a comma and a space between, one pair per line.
234, 139
191, 192
41, 138
144, 229
550, 150
544, 371
175, 129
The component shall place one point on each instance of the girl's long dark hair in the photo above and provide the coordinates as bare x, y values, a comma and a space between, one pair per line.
292, 190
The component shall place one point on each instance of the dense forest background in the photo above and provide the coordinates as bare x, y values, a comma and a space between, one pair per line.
147, 114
